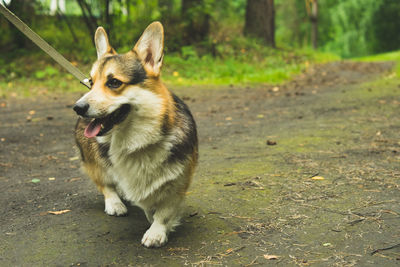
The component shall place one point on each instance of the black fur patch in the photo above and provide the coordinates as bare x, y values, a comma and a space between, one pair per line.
104, 148
77, 142
130, 66
181, 150
165, 126
137, 74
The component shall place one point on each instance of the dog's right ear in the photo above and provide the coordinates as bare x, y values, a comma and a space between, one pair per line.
101, 41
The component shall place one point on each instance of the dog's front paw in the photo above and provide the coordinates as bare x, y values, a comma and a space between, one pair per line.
155, 237
115, 207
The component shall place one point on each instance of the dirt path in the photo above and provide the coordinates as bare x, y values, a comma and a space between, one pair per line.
307, 172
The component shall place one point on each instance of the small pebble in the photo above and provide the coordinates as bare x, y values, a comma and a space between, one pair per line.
271, 143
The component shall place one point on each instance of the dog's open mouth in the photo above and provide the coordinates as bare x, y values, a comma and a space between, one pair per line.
100, 126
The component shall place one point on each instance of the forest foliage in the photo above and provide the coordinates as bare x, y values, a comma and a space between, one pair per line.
206, 33
345, 27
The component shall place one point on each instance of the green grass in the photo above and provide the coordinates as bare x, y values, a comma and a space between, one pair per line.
276, 67
34, 74
390, 56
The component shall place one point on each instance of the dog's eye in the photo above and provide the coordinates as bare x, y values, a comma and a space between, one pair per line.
113, 83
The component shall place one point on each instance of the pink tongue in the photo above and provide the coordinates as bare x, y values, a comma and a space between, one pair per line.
92, 129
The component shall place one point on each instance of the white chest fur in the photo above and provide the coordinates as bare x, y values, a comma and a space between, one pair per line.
138, 174
139, 156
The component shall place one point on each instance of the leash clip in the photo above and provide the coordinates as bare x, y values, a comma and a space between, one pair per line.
86, 82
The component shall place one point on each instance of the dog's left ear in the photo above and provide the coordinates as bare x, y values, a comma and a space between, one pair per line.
150, 47
101, 41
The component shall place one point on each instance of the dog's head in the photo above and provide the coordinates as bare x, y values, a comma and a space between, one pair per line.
122, 82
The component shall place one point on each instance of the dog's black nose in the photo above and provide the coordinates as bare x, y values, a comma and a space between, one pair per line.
81, 109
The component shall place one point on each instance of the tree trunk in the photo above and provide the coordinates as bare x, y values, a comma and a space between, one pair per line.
260, 20
196, 21
314, 23
165, 7
67, 22
88, 17
107, 17
26, 12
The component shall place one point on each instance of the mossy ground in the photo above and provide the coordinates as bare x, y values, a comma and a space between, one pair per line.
326, 194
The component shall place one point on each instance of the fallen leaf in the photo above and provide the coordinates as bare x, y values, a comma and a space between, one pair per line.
229, 250
73, 158
73, 179
35, 180
270, 257
275, 89
228, 118
58, 212
327, 244
317, 178
8, 165
32, 112
10, 233
260, 116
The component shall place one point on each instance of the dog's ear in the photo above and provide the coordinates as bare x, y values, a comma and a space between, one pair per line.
101, 41
150, 47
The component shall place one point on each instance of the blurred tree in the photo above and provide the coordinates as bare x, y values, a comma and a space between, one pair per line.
312, 11
25, 11
57, 6
107, 17
291, 23
90, 20
260, 20
166, 7
347, 26
386, 27
196, 20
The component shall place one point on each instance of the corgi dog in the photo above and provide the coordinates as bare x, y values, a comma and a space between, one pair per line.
137, 140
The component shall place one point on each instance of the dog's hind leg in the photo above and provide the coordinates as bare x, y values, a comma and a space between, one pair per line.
165, 218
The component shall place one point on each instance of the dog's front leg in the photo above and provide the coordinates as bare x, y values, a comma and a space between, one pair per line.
165, 218
113, 204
